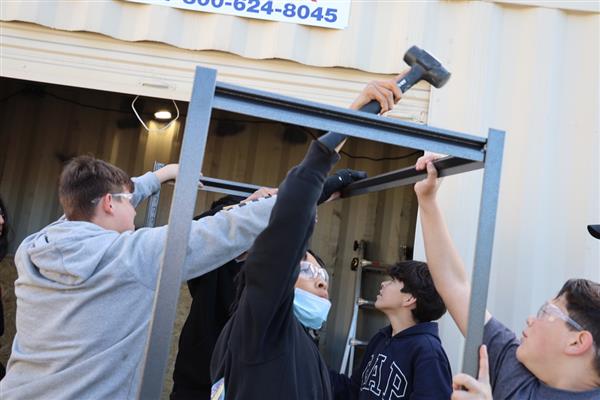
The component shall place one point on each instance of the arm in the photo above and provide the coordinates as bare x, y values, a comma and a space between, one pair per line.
149, 183
167, 173
446, 267
213, 241
220, 238
272, 266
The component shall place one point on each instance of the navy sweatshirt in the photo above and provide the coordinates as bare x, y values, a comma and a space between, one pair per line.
410, 365
264, 352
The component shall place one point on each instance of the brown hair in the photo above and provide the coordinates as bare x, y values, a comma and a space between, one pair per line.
583, 305
85, 179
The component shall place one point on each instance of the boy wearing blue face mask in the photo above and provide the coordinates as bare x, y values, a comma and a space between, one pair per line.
265, 351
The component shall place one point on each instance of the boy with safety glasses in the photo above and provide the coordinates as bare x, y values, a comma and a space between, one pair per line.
558, 356
86, 282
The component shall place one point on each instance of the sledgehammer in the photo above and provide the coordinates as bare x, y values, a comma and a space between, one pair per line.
424, 66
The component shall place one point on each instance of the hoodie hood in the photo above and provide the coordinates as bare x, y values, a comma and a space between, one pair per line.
423, 328
68, 252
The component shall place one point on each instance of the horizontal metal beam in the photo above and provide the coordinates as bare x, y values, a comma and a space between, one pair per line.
446, 166
228, 187
207, 184
349, 122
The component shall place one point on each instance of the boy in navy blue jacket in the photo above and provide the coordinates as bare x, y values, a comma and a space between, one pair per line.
404, 360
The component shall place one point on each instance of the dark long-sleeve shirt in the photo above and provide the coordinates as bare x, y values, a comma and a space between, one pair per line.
264, 352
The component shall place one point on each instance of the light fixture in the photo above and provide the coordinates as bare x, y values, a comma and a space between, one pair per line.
162, 114
156, 115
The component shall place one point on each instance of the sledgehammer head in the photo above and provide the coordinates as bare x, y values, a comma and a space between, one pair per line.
433, 71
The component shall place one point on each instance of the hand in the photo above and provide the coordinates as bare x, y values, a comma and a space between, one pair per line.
426, 189
425, 158
468, 388
167, 173
336, 182
386, 93
262, 192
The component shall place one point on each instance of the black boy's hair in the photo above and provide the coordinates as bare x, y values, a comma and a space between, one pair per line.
583, 306
319, 260
417, 281
219, 204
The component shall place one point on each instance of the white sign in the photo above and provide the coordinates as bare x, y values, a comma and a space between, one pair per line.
324, 13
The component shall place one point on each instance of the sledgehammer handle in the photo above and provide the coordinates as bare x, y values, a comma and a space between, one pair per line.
332, 139
413, 76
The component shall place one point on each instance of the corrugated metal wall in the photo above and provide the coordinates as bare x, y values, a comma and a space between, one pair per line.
33, 52
377, 35
374, 40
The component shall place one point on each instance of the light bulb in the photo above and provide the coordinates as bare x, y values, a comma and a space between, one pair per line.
162, 115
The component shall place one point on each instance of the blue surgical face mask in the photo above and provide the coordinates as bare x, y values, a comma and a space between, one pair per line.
310, 309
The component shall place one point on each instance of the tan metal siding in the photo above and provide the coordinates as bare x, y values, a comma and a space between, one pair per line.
97, 62
375, 40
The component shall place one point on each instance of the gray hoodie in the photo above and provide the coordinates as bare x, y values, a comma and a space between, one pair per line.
84, 299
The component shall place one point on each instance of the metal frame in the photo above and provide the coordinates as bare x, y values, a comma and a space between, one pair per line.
466, 153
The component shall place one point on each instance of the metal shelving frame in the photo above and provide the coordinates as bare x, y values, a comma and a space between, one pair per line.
465, 153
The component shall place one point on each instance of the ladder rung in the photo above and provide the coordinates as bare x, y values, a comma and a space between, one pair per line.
375, 269
366, 263
357, 343
365, 303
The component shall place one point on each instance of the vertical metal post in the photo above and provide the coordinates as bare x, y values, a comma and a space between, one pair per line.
483, 250
152, 209
178, 233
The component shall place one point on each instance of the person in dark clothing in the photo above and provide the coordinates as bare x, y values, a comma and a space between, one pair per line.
264, 352
212, 296
406, 358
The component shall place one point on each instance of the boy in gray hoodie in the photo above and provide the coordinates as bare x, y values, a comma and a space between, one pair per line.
86, 283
